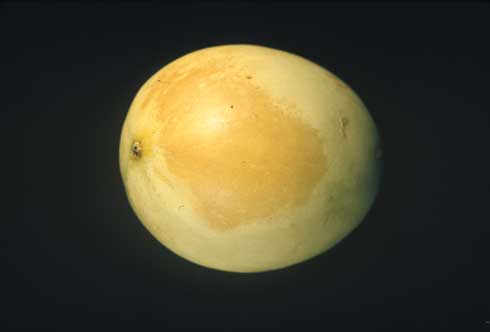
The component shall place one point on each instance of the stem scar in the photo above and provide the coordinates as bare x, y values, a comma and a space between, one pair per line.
136, 150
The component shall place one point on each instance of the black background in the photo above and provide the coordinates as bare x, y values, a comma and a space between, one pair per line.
77, 255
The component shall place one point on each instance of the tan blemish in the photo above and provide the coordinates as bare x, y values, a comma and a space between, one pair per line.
240, 166
340, 84
343, 124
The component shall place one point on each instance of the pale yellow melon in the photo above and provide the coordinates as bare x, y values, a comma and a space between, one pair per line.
245, 158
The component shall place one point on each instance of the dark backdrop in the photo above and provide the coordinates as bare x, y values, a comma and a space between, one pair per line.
77, 256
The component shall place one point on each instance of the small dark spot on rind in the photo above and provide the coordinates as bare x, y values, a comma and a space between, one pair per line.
231, 106
249, 77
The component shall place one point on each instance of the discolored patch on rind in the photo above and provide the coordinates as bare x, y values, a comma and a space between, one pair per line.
241, 163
